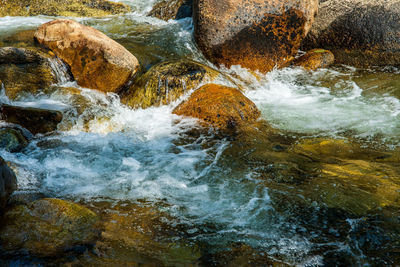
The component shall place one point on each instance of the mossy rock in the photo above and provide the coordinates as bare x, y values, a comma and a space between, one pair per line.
48, 227
25, 71
68, 8
166, 82
12, 139
20, 39
315, 59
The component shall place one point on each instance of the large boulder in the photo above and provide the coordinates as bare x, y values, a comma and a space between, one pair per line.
48, 227
65, 8
358, 32
166, 82
172, 9
96, 61
33, 119
25, 71
255, 34
220, 106
8, 183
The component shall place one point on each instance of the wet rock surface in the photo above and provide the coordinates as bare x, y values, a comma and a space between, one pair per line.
257, 35
65, 8
172, 9
12, 139
219, 106
359, 32
47, 227
8, 183
25, 71
33, 119
166, 82
96, 61
315, 59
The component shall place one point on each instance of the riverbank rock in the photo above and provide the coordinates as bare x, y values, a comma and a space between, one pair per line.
33, 119
172, 9
255, 34
48, 227
220, 106
315, 59
24, 71
96, 61
8, 183
20, 39
166, 82
358, 32
67, 8
12, 139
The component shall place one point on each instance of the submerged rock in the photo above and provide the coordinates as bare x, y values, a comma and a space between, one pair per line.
172, 9
220, 106
33, 119
20, 39
96, 61
8, 183
24, 71
67, 8
48, 227
12, 139
315, 59
166, 82
358, 32
255, 34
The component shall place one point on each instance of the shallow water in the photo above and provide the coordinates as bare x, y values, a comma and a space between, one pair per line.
212, 184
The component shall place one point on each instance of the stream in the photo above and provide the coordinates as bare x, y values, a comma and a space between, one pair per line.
270, 191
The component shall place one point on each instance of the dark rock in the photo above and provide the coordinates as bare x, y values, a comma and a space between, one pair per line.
34, 119
358, 32
255, 34
12, 139
8, 183
166, 82
172, 9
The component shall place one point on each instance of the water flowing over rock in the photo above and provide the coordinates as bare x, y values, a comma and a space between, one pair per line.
220, 106
166, 82
8, 183
25, 70
358, 32
315, 59
255, 34
172, 9
65, 8
33, 119
48, 227
96, 61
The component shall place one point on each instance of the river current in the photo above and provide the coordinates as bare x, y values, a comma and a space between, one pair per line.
111, 152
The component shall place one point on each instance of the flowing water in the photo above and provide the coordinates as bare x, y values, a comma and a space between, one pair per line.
264, 194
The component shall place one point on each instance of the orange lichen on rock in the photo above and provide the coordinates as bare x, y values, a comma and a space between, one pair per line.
96, 61
258, 35
221, 106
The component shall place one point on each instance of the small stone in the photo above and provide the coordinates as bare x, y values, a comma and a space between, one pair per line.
315, 59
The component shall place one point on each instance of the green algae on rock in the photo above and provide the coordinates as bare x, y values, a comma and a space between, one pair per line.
166, 82
172, 9
25, 71
48, 227
66, 8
